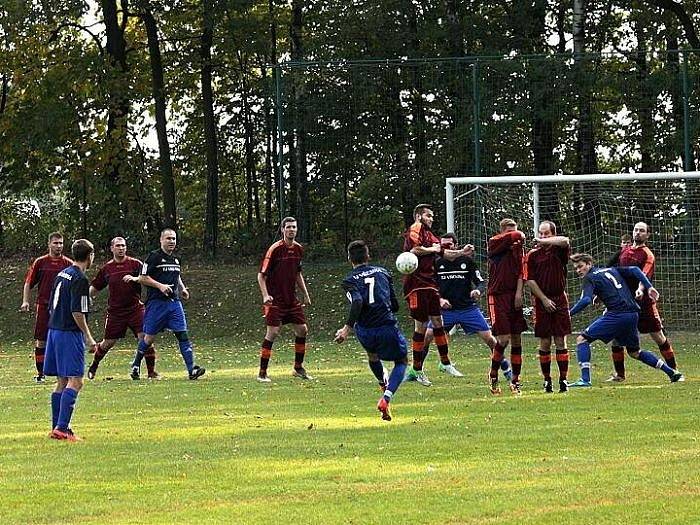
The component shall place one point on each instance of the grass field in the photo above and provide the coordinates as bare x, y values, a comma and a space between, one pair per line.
227, 449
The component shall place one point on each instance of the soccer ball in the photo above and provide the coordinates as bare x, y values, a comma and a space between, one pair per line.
406, 262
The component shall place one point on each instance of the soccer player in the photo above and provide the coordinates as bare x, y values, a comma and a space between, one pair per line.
619, 321
161, 275
124, 306
68, 333
618, 352
505, 297
42, 272
461, 286
639, 255
372, 306
279, 276
625, 241
545, 275
421, 291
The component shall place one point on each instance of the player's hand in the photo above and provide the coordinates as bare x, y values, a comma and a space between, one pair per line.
24, 307
653, 294
342, 334
185, 293
129, 279
468, 250
518, 302
476, 295
307, 301
437, 247
639, 293
93, 348
549, 305
445, 304
267, 299
90, 341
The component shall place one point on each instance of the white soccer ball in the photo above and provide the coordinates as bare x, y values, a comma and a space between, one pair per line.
406, 262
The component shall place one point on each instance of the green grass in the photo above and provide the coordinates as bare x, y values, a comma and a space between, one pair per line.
227, 449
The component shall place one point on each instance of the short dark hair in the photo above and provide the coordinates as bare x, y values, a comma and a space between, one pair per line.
552, 226
507, 222
582, 257
81, 250
420, 208
111, 243
626, 238
358, 252
449, 235
285, 221
162, 232
55, 235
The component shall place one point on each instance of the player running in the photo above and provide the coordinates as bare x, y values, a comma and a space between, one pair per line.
124, 307
42, 272
373, 304
161, 274
279, 276
68, 333
619, 321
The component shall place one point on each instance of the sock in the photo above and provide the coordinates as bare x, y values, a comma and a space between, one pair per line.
265, 354
150, 357
649, 358
516, 359
546, 364
67, 404
667, 352
187, 354
299, 351
426, 349
563, 363
99, 354
55, 408
417, 347
378, 371
140, 351
618, 357
442, 345
395, 378
39, 360
496, 360
583, 355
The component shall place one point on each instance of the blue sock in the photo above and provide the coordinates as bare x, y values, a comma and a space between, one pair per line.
396, 377
583, 355
649, 358
377, 370
140, 351
187, 354
505, 365
68, 398
55, 408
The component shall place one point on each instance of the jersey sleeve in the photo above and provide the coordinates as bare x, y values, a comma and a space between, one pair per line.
413, 237
351, 290
586, 297
80, 296
503, 241
564, 252
33, 274
100, 280
527, 270
268, 260
648, 268
636, 273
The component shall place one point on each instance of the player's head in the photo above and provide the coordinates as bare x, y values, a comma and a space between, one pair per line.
168, 240
546, 229
583, 263
508, 225
423, 213
625, 240
55, 244
118, 247
358, 252
83, 252
448, 240
640, 233
288, 227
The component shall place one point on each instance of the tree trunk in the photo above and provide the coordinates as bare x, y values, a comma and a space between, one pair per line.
272, 122
165, 164
211, 228
645, 102
4, 89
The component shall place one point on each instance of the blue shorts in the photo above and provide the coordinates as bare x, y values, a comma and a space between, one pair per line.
612, 325
65, 353
387, 341
470, 319
160, 315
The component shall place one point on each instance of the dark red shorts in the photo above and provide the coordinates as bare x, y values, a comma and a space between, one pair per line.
423, 304
505, 318
553, 324
117, 323
41, 323
279, 315
649, 318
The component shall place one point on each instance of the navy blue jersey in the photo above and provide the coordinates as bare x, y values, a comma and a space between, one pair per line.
165, 269
70, 293
609, 285
372, 287
457, 279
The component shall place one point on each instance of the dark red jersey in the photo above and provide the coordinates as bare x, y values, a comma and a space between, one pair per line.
505, 255
281, 266
424, 276
643, 258
546, 265
123, 297
43, 271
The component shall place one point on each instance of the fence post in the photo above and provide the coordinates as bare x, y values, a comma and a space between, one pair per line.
477, 116
686, 115
280, 142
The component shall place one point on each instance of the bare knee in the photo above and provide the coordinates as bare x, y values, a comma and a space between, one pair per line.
300, 330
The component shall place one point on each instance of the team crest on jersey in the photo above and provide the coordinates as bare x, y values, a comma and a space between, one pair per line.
177, 262
463, 266
442, 267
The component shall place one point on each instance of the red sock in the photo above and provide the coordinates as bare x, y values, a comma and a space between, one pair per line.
265, 354
546, 363
667, 352
417, 347
299, 352
516, 361
442, 345
563, 363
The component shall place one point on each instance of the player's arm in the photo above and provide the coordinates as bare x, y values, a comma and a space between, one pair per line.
585, 300
478, 282
392, 296
355, 298
301, 284
80, 306
262, 284
26, 296
503, 242
614, 260
548, 304
422, 250
644, 282
147, 280
555, 240
518, 302
451, 255
183, 289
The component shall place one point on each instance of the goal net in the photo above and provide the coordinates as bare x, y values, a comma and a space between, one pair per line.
594, 211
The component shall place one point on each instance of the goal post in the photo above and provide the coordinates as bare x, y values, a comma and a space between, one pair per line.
594, 211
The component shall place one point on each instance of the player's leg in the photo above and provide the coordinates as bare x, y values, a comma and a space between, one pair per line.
51, 369
300, 333
490, 341
393, 347
630, 339
135, 324
155, 320
618, 359
665, 348
428, 338
272, 331
41, 328
583, 356
177, 323
71, 367
544, 354
141, 349
415, 372
99, 351
516, 361
440, 330
562, 357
